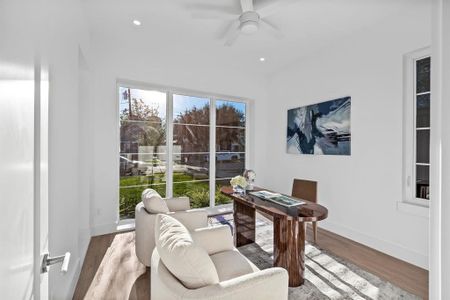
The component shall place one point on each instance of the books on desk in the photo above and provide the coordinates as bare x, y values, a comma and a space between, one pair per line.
277, 198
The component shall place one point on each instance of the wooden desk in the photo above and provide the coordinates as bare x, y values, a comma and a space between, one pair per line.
288, 229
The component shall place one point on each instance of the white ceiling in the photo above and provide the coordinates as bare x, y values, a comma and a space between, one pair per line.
169, 29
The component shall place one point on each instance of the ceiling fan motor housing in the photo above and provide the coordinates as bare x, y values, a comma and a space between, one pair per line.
249, 22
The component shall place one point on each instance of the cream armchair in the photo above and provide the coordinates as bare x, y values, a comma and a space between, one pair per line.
204, 264
152, 204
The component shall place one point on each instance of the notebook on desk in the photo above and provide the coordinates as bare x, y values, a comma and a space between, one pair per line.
277, 198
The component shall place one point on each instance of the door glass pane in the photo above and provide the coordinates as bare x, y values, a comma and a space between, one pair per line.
197, 191
220, 198
190, 138
230, 139
423, 146
423, 111
189, 167
423, 182
190, 110
230, 113
230, 144
142, 159
423, 75
191, 149
229, 164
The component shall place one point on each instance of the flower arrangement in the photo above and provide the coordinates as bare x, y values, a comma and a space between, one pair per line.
239, 181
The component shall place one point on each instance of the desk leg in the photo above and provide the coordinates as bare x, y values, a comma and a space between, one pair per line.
289, 248
244, 223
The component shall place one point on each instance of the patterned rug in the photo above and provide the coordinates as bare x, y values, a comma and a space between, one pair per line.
326, 276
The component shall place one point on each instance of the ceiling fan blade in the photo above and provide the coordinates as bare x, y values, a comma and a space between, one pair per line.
270, 28
232, 33
247, 5
273, 7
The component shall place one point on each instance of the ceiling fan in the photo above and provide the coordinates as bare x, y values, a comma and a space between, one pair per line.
248, 21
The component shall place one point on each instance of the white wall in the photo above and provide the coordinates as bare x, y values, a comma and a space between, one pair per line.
69, 228
440, 138
445, 150
138, 62
361, 190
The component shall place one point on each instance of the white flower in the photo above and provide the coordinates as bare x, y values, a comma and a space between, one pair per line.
240, 181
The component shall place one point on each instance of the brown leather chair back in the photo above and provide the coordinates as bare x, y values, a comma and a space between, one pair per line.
305, 189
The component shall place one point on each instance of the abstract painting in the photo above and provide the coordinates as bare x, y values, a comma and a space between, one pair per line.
322, 128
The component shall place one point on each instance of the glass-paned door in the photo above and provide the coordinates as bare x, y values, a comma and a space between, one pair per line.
191, 151
142, 157
230, 144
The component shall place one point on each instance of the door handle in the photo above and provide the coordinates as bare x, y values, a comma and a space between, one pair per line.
47, 261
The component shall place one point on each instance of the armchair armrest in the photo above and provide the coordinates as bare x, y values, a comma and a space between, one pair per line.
214, 239
178, 203
192, 219
266, 284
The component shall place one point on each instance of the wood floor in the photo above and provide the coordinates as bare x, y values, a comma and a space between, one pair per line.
111, 269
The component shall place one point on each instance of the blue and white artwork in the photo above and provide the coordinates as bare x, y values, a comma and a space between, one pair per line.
322, 128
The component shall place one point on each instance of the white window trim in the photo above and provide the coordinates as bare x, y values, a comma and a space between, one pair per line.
170, 91
411, 204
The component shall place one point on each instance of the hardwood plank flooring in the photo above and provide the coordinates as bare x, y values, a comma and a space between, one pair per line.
111, 269
400, 273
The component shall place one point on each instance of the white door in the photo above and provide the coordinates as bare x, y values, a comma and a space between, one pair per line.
23, 155
21, 181
16, 183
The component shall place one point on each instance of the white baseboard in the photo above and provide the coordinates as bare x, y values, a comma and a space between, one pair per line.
384, 246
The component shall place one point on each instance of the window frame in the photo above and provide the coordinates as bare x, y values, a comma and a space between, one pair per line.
410, 130
170, 91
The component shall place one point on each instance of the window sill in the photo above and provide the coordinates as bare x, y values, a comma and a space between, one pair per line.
413, 209
125, 225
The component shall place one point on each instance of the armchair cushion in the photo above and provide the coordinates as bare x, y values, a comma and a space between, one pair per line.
153, 202
188, 262
192, 219
214, 239
267, 284
231, 264
178, 203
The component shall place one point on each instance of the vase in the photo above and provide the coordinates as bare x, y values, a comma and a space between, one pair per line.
238, 189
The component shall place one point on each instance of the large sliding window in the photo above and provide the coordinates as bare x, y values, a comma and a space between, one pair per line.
193, 152
142, 157
230, 142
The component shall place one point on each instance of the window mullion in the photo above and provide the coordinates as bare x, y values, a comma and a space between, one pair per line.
169, 145
212, 152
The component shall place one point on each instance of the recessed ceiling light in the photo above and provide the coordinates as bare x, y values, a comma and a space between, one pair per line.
262, 59
137, 22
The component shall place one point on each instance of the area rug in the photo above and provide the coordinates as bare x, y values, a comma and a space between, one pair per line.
326, 276
120, 275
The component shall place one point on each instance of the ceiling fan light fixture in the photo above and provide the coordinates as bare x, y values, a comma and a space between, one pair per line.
249, 27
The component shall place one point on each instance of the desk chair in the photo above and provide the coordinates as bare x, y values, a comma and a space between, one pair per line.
306, 190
